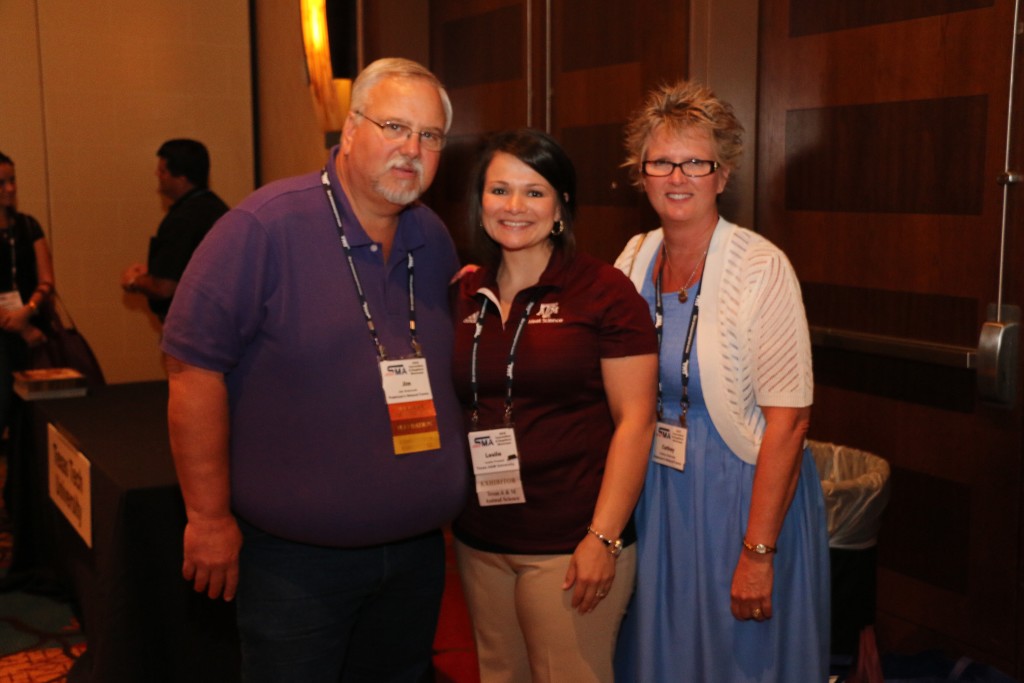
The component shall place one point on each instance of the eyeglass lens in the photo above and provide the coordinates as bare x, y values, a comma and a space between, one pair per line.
431, 139
693, 168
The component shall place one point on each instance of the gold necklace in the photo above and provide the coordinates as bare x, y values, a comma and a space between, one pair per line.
689, 281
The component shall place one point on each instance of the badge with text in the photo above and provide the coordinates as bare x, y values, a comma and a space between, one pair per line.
410, 404
670, 445
496, 466
494, 450
503, 488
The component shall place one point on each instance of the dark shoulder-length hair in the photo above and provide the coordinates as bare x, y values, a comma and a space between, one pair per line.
543, 154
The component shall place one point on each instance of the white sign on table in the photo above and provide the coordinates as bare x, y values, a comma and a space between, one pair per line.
70, 483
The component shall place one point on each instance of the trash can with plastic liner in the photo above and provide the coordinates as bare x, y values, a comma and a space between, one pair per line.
856, 488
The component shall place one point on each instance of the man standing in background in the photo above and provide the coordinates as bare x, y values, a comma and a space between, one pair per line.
313, 420
183, 174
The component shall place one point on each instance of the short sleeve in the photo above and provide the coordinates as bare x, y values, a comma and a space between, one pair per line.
35, 230
781, 349
219, 303
626, 326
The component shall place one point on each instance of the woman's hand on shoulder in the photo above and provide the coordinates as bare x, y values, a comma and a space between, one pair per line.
465, 270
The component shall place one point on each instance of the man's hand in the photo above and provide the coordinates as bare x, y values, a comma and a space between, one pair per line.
130, 275
211, 556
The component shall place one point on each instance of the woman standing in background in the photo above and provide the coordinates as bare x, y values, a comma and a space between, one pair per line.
26, 284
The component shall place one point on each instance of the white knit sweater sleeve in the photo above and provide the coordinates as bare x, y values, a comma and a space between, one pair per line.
777, 345
760, 345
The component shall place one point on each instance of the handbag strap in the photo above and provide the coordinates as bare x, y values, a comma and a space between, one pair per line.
58, 313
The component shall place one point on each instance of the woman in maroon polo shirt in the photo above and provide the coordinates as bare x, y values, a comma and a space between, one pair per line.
555, 364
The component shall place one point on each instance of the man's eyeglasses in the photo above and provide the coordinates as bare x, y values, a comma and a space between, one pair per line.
431, 138
693, 168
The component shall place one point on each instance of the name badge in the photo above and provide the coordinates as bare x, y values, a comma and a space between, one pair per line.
494, 450
495, 457
503, 488
410, 404
670, 445
11, 301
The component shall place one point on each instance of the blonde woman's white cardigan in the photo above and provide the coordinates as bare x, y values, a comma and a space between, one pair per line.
753, 344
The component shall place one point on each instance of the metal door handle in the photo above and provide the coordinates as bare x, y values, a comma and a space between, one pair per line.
996, 363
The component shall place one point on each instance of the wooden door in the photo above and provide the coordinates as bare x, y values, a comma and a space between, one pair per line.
882, 129
575, 68
605, 56
486, 52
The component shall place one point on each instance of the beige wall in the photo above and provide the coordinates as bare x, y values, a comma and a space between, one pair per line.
90, 90
291, 142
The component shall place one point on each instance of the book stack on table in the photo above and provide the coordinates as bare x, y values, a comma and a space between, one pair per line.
46, 383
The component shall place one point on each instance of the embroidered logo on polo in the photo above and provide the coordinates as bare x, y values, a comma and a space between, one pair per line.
547, 313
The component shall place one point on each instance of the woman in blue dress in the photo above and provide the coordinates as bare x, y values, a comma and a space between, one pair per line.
732, 578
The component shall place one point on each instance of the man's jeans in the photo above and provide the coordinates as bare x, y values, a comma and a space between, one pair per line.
310, 614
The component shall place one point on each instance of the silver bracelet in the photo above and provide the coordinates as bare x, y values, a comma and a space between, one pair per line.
613, 546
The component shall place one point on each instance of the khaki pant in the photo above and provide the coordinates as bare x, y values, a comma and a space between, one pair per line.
524, 624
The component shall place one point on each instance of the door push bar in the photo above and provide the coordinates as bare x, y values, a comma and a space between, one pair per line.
995, 360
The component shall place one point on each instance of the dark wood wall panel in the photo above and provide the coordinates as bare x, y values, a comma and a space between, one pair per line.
458, 162
935, 386
597, 154
605, 57
593, 235
819, 16
599, 34
932, 317
483, 48
902, 157
478, 49
929, 522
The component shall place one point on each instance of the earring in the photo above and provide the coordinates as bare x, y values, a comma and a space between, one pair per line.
556, 231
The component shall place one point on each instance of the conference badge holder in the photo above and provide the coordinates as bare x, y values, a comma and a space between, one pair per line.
495, 459
410, 405
670, 445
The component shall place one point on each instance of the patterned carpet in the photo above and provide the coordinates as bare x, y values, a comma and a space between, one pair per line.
39, 636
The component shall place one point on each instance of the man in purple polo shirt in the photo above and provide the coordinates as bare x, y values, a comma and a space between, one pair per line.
313, 422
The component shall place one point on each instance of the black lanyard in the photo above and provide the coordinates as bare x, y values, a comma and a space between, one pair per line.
474, 382
364, 304
659, 323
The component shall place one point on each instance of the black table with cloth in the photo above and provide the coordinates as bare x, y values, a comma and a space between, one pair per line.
142, 621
